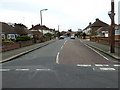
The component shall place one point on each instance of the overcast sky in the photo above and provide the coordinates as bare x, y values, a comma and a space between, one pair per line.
69, 14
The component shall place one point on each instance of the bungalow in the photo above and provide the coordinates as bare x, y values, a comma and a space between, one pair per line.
87, 29
104, 31
22, 30
92, 28
8, 32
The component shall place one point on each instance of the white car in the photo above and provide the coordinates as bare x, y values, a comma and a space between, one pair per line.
72, 37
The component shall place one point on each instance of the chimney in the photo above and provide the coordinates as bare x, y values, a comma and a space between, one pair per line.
90, 23
32, 26
97, 19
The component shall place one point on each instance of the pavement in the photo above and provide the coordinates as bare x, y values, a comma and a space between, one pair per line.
102, 48
12, 54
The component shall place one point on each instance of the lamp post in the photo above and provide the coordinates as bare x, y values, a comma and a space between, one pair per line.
112, 31
41, 17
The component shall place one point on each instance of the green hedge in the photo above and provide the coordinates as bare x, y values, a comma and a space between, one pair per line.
7, 41
23, 38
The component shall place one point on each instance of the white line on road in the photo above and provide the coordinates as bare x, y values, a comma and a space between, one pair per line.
104, 69
83, 65
57, 58
61, 47
43, 69
97, 52
22, 69
4, 69
65, 42
116, 65
101, 65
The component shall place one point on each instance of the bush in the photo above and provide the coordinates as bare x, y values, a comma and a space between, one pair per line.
48, 35
7, 41
23, 38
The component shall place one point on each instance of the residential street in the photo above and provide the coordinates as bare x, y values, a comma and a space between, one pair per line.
66, 63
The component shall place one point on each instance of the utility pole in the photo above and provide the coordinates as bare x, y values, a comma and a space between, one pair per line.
112, 36
112, 31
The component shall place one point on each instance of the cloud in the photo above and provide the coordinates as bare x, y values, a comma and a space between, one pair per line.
68, 13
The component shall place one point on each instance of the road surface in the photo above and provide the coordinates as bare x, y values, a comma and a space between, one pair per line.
66, 63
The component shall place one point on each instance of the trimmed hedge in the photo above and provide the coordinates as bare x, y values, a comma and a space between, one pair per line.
23, 38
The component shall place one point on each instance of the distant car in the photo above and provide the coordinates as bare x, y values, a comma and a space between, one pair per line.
61, 37
72, 37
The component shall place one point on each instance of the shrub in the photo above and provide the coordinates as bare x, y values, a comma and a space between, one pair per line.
7, 41
23, 38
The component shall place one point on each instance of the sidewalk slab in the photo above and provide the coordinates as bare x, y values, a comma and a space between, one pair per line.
10, 55
103, 48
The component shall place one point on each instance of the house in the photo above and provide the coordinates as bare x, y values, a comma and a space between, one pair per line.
87, 29
22, 30
8, 32
105, 31
43, 29
92, 28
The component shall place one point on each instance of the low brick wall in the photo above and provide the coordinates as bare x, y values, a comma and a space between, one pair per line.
26, 43
7, 47
105, 40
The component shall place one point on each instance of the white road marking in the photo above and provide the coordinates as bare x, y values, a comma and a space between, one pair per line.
22, 70
43, 69
83, 65
101, 65
97, 52
57, 58
61, 47
4, 70
116, 65
110, 69
65, 42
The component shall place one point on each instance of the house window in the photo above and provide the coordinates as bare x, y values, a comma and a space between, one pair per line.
11, 36
3, 36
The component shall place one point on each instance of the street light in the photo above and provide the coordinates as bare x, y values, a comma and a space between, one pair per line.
112, 31
41, 17
41, 14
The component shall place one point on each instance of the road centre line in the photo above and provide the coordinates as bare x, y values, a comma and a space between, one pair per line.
65, 42
57, 58
62, 47
97, 52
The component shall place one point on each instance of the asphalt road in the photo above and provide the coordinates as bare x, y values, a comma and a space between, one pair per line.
62, 64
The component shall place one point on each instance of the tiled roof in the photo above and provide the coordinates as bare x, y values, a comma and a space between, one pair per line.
37, 27
7, 29
99, 23
22, 30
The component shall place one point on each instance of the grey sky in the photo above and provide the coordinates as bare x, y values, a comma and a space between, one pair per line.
69, 14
